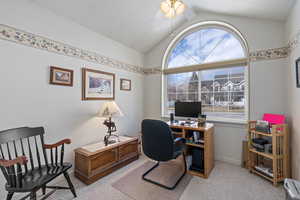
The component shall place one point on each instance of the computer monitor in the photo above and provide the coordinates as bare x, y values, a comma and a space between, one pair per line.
187, 109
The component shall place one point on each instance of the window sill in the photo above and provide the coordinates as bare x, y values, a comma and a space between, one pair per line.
229, 121
219, 120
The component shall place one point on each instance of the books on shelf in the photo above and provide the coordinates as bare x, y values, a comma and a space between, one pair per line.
263, 126
265, 170
197, 138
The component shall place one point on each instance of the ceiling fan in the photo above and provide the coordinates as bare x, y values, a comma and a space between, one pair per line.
171, 14
173, 8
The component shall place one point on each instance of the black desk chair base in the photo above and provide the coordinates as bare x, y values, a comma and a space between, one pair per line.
161, 185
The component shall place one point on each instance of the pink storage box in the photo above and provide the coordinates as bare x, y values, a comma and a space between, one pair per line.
274, 118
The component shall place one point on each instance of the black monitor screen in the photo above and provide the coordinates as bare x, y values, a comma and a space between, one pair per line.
187, 109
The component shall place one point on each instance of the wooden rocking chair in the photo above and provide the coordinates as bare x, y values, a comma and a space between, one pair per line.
23, 176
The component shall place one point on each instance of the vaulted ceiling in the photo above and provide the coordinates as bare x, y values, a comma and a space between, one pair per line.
140, 25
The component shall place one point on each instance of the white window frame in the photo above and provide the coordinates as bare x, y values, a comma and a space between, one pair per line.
223, 64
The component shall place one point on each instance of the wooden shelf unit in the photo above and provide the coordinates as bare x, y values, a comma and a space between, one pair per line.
208, 136
278, 160
195, 145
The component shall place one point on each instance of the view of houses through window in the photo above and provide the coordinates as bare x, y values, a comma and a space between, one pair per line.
221, 91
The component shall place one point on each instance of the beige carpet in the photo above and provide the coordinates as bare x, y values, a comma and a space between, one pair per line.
135, 187
231, 182
226, 182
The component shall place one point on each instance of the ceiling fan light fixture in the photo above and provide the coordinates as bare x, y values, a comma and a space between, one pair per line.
171, 14
179, 7
165, 6
172, 8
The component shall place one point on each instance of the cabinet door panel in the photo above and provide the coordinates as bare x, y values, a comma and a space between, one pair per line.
104, 159
128, 150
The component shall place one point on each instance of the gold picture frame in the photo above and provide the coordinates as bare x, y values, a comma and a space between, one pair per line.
61, 76
97, 85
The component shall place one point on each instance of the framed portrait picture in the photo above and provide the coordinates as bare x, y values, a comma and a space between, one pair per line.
125, 84
61, 76
298, 72
97, 85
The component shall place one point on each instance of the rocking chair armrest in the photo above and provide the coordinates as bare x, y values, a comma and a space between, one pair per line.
50, 146
22, 160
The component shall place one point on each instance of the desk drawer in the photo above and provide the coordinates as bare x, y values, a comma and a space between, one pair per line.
128, 150
104, 159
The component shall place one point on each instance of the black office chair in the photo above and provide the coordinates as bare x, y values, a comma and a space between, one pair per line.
159, 145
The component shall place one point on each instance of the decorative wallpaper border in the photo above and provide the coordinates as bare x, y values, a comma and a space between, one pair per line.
269, 54
293, 43
43, 43
29, 39
149, 71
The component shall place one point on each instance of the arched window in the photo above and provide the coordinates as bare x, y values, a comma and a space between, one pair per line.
207, 62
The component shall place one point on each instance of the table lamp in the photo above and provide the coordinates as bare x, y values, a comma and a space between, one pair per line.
108, 110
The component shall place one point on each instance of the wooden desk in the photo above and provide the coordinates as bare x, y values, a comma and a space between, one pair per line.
97, 160
208, 136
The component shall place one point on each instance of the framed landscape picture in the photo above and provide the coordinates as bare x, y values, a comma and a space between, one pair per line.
61, 76
97, 85
298, 72
125, 84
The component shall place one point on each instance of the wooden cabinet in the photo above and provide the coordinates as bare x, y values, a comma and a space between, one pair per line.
128, 150
104, 159
97, 160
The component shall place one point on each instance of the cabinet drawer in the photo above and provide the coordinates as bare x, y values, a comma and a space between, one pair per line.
128, 150
104, 159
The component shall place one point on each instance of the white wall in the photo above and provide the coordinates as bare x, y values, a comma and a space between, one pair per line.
293, 98
267, 88
27, 98
267, 82
260, 34
28, 16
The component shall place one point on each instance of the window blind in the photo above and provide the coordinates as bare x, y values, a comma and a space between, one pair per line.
205, 66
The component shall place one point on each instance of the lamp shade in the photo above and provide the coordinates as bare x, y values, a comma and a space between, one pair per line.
110, 109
